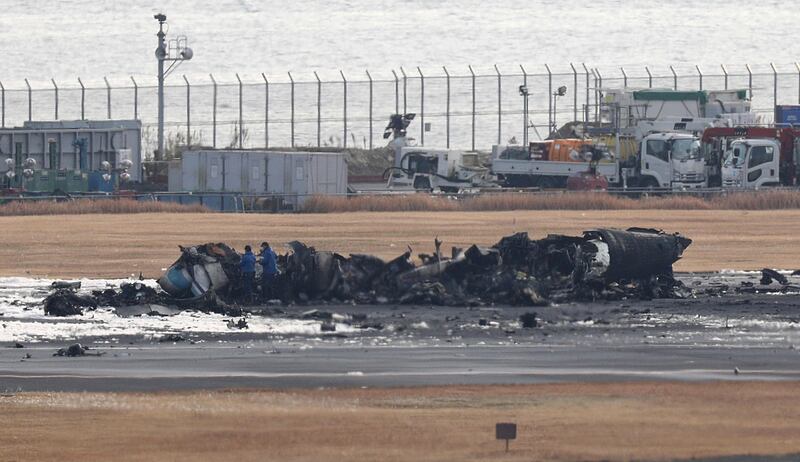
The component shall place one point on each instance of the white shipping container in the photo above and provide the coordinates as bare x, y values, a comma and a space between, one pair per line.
294, 175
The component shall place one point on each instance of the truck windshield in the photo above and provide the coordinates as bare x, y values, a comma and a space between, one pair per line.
735, 156
686, 149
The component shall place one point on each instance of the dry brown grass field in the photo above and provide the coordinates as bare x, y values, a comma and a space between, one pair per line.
118, 245
600, 421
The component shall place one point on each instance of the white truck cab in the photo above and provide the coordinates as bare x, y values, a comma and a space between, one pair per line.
412, 160
751, 163
445, 170
672, 160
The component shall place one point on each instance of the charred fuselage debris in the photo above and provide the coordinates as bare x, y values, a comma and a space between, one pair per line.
768, 275
202, 268
66, 302
600, 264
605, 264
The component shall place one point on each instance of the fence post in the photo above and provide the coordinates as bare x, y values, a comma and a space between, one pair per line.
549, 98
188, 112
700, 76
108, 96
55, 92
135, 99
83, 99
624, 77
473, 106
213, 111
266, 110
319, 109
586, 109
524, 106
499, 105
649, 77
797, 66
749, 80
594, 75
674, 78
774, 85
396, 93
241, 115
30, 100
447, 106
421, 106
725, 73
575, 92
370, 108
3, 105
597, 93
344, 87
405, 90
291, 122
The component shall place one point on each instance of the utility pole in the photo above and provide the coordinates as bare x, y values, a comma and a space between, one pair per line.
161, 54
184, 53
523, 91
562, 90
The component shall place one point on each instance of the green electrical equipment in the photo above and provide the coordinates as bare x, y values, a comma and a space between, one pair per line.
55, 159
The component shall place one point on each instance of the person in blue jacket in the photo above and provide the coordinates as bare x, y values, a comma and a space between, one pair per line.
248, 267
270, 265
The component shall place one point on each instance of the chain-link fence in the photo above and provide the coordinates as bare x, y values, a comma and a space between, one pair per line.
470, 108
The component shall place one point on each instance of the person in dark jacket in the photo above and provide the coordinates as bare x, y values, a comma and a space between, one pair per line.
270, 265
248, 267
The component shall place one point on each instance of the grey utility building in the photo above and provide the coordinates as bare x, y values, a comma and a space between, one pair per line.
291, 175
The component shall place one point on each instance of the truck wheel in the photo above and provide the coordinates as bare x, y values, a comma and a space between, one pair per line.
650, 187
516, 181
422, 183
649, 182
548, 183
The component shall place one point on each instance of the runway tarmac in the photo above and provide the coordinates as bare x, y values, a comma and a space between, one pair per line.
707, 337
256, 364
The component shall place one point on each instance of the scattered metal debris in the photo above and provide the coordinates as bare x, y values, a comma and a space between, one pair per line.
172, 337
128, 294
529, 320
74, 285
769, 275
75, 350
149, 309
240, 324
65, 302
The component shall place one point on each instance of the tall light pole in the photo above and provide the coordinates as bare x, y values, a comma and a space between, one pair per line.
183, 53
523, 91
161, 54
560, 92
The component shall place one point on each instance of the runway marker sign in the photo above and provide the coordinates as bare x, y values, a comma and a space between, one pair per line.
505, 431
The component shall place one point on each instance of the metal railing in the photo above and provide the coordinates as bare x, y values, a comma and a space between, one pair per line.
460, 108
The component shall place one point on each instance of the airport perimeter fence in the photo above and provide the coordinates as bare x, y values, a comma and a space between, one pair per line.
465, 108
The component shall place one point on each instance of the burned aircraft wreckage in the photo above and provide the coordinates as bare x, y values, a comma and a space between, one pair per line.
602, 264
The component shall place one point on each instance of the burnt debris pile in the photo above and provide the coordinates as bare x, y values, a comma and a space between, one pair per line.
602, 264
65, 301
